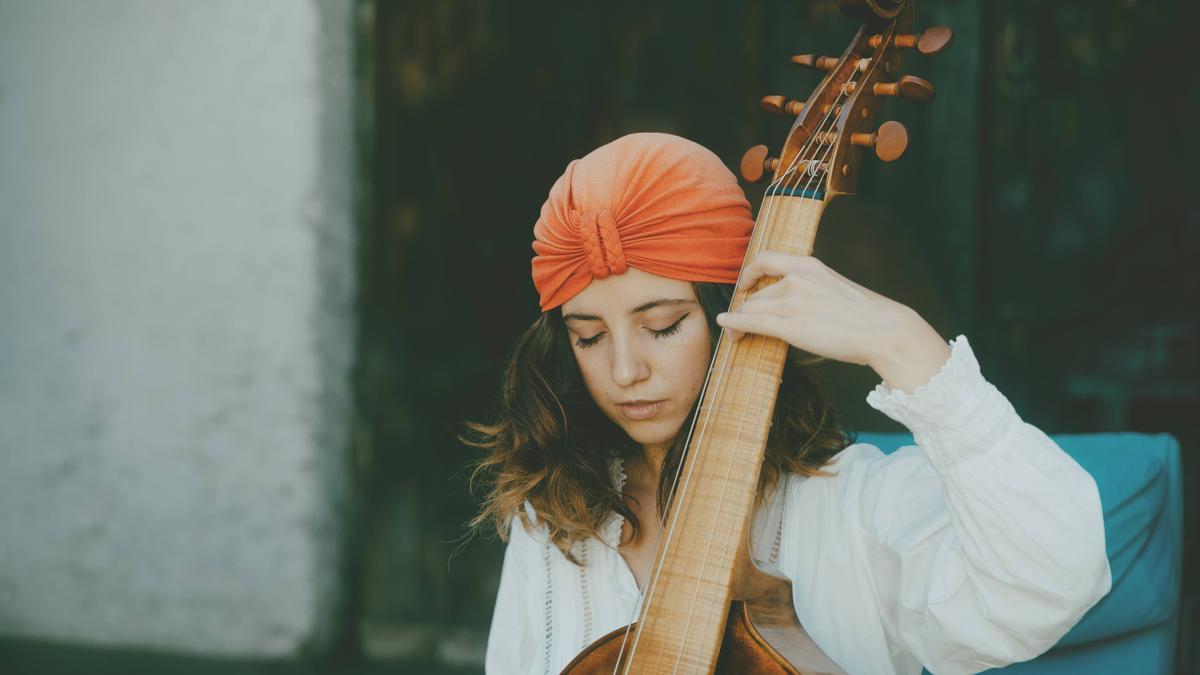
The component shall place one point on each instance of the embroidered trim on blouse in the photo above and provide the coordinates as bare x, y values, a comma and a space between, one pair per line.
773, 558
549, 598
619, 476
612, 531
587, 598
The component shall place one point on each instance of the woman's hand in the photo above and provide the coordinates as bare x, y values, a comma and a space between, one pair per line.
813, 308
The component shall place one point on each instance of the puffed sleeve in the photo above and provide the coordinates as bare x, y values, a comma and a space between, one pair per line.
986, 540
510, 647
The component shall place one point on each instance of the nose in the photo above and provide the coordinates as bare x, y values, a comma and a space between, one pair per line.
629, 364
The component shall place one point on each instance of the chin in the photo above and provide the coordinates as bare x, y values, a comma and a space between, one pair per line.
652, 432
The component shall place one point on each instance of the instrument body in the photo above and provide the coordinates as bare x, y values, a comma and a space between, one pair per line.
744, 649
707, 606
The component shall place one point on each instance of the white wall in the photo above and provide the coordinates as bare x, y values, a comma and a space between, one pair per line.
176, 271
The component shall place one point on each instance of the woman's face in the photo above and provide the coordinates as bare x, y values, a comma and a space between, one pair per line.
643, 346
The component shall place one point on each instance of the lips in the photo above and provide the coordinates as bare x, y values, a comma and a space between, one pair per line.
641, 410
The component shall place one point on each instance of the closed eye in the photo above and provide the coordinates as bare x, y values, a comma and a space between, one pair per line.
669, 330
584, 343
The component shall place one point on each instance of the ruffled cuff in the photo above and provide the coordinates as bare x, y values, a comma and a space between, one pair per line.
955, 417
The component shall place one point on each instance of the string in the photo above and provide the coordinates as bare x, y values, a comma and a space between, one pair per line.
813, 170
648, 591
759, 236
788, 173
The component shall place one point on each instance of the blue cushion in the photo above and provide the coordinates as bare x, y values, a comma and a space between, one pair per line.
1140, 484
1146, 651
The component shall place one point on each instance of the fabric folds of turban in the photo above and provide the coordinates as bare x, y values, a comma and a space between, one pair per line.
654, 201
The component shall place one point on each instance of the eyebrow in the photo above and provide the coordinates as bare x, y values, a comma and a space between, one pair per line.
664, 302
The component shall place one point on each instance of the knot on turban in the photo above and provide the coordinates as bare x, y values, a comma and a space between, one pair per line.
601, 242
654, 201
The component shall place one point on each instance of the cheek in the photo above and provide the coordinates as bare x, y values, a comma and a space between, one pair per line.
692, 363
592, 371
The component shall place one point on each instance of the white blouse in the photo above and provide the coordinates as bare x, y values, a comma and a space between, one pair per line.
977, 547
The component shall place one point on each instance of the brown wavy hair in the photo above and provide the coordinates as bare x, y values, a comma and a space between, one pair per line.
550, 444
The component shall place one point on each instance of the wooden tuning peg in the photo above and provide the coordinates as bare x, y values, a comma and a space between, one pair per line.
934, 40
755, 163
814, 61
909, 87
889, 141
781, 105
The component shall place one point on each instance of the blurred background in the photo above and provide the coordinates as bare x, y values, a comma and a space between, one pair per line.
259, 261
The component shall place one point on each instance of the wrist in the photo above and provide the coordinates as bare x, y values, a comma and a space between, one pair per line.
910, 354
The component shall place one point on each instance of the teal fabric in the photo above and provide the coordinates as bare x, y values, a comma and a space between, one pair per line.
1149, 650
1132, 629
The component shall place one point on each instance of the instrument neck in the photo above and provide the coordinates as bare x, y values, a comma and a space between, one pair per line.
690, 587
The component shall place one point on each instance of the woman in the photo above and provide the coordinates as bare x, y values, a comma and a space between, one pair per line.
979, 546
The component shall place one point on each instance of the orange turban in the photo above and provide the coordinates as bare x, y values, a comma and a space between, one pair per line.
654, 201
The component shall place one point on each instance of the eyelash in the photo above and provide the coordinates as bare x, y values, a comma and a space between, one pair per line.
584, 343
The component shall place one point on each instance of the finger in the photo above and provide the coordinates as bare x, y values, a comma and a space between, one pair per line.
723, 320
776, 305
772, 263
764, 263
779, 289
759, 324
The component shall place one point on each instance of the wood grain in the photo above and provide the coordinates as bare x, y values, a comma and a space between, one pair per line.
689, 595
